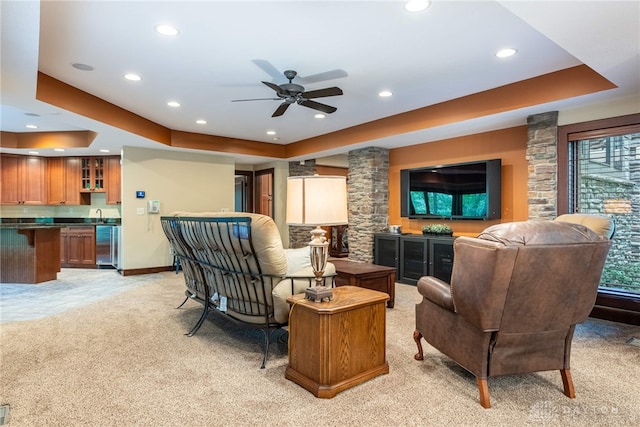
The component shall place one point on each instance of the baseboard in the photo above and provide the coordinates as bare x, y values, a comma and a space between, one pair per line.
617, 306
149, 270
614, 314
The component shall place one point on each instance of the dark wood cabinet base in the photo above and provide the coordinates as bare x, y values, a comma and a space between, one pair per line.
371, 276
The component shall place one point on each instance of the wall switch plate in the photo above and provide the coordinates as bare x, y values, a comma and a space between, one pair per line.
140, 211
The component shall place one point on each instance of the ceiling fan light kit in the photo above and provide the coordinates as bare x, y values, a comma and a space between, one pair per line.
291, 93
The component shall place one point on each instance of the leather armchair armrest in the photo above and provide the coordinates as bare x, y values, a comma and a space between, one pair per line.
436, 291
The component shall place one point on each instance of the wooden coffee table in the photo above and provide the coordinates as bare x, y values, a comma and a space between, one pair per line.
371, 276
337, 344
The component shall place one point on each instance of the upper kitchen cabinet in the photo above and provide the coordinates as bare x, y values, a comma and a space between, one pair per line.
63, 181
114, 192
23, 180
93, 174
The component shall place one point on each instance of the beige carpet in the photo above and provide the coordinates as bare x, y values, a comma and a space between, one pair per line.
126, 361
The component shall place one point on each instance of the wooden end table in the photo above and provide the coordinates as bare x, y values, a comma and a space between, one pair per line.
371, 276
337, 344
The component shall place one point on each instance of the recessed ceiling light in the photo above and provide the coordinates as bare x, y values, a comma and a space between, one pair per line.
104, 151
385, 93
58, 149
173, 104
34, 152
417, 5
201, 122
32, 114
505, 53
31, 127
82, 67
319, 116
271, 132
133, 77
275, 138
167, 30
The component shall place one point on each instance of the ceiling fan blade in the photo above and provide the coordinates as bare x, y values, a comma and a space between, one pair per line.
320, 77
281, 109
274, 87
320, 93
256, 99
318, 106
268, 68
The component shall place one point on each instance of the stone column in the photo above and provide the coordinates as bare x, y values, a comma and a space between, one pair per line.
368, 199
300, 236
543, 165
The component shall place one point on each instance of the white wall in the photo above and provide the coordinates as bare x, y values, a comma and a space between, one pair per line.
193, 182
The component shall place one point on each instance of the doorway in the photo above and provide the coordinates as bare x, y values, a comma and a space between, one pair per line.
264, 192
243, 191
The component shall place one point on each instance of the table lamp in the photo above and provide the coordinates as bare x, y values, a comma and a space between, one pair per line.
317, 200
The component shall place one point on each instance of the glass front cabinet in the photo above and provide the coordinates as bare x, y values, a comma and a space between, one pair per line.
415, 255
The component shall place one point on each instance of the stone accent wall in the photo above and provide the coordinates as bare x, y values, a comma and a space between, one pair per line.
368, 199
542, 155
300, 236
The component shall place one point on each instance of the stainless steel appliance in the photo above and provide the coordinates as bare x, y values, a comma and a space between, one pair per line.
103, 244
116, 247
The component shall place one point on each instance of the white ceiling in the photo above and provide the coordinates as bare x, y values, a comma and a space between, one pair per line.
225, 48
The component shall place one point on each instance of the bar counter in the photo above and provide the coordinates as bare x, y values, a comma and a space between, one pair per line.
29, 253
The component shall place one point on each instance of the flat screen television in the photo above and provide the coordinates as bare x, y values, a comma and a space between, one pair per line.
457, 191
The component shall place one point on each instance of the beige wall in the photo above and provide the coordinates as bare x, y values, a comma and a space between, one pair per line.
180, 181
619, 107
280, 174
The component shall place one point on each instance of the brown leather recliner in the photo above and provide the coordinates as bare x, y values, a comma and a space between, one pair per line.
516, 293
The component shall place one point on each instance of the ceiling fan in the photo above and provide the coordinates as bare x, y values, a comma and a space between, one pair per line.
291, 93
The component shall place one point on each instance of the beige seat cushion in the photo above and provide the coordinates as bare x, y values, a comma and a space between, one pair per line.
602, 225
283, 290
265, 236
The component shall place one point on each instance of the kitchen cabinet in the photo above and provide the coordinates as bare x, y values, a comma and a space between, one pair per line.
23, 180
92, 174
78, 246
63, 181
114, 192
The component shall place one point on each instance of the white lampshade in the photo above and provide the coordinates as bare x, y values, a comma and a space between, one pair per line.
317, 200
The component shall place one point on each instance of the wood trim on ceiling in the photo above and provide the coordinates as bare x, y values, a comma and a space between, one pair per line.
63, 95
223, 144
563, 84
33, 140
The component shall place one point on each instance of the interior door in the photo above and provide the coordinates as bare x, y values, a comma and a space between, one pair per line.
244, 191
264, 192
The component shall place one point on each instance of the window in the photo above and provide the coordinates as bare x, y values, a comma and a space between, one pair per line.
606, 180
599, 172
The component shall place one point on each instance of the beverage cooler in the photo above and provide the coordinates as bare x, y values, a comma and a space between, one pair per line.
116, 247
108, 245
103, 245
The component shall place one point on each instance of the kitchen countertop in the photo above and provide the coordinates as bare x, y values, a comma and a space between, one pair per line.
55, 222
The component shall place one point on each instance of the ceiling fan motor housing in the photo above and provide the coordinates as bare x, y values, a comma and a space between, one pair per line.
292, 88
